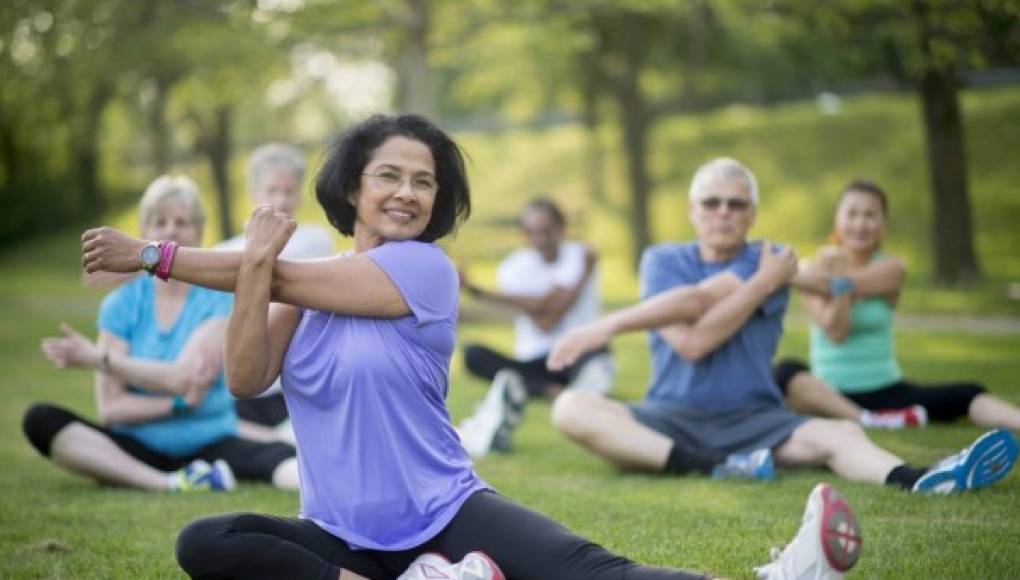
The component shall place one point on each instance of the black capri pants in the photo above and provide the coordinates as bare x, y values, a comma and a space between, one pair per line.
944, 402
525, 544
482, 361
247, 459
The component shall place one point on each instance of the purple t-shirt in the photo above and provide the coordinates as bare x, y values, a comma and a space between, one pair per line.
381, 465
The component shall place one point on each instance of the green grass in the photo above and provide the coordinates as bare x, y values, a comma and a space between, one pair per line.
56, 525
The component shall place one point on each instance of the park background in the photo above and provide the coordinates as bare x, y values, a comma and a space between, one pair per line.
605, 106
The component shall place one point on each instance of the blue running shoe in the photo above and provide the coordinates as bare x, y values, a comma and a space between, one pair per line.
986, 461
200, 476
757, 465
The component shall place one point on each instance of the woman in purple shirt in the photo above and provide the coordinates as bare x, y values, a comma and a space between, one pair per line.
363, 344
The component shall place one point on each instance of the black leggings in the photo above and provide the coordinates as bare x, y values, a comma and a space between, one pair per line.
943, 402
485, 362
247, 459
270, 410
525, 544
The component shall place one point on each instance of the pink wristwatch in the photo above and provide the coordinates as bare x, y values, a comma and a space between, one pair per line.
167, 251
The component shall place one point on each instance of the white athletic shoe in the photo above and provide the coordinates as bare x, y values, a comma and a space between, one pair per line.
827, 545
492, 425
595, 376
433, 566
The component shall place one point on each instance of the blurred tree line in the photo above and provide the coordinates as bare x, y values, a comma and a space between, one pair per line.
98, 96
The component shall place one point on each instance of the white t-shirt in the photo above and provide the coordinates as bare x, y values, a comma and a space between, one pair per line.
526, 273
309, 241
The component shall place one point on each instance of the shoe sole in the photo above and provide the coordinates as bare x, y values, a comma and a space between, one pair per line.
987, 461
840, 534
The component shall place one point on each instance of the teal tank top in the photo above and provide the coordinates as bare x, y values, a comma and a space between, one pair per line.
866, 360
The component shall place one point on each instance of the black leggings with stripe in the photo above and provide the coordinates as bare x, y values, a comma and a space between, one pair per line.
525, 544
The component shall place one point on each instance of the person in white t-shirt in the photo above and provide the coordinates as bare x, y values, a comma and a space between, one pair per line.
552, 284
275, 174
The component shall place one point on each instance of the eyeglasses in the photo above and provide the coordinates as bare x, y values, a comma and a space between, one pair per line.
734, 204
421, 183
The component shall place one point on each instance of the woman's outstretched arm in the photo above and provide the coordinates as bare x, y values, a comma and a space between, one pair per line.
346, 285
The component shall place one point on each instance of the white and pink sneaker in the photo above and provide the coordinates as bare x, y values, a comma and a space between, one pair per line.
433, 566
905, 418
827, 545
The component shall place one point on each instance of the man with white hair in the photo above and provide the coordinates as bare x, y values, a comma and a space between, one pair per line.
715, 308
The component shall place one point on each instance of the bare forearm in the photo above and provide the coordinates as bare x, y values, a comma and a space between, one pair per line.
682, 304
884, 278
811, 281
247, 349
558, 302
725, 318
131, 409
151, 375
834, 317
215, 269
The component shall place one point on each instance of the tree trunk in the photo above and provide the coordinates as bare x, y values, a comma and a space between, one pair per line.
594, 151
9, 152
159, 130
218, 148
634, 119
953, 233
415, 77
85, 149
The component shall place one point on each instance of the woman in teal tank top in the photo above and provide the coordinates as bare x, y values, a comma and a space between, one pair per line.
852, 346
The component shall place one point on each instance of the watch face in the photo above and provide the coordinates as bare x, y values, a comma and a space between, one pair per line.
150, 256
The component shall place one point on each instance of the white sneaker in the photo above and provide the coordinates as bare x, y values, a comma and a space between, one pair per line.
905, 418
492, 425
595, 376
827, 545
433, 566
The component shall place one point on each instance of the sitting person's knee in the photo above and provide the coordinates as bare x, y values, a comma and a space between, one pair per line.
41, 424
845, 429
198, 543
570, 411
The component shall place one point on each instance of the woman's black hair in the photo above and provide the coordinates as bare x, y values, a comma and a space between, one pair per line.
340, 174
869, 187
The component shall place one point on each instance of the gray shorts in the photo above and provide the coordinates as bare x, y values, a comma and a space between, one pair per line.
724, 432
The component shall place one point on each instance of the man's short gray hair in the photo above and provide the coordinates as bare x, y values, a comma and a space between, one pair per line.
274, 155
171, 187
723, 168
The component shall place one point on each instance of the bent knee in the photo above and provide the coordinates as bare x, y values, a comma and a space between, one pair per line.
199, 544
838, 432
572, 412
41, 424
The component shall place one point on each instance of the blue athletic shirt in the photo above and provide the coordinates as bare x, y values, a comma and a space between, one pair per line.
738, 373
129, 312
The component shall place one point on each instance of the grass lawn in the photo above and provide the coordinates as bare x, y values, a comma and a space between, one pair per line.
57, 525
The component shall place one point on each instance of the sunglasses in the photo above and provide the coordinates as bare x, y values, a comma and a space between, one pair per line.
734, 204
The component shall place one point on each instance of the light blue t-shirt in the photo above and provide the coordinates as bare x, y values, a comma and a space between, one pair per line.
738, 373
129, 312
381, 465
